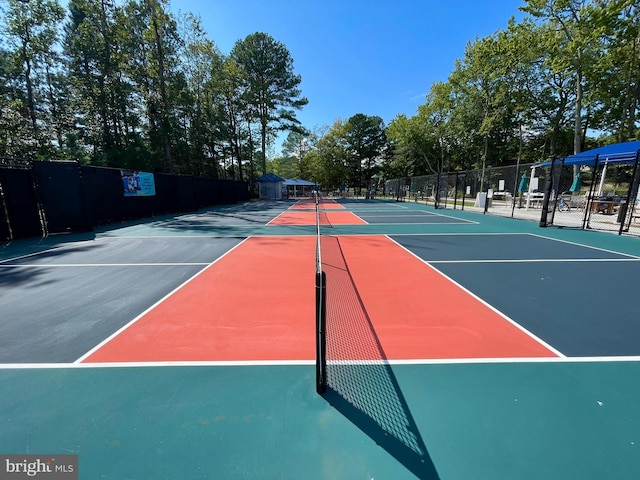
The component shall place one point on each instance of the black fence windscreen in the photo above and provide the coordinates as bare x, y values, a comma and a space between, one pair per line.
19, 204
61, 197
103, 192
5, 230
44, 198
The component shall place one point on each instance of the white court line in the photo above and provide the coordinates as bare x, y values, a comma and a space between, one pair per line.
375, 208
582, 245
50, 265
540, 260
420, 215
269, 363
217, 237
106, 236
332, 225
386, 208
274, 219
455, 234
358, 217
122, 329
205, 227
438, 214
459, 221
481, 361
417, 223
203, 363
472, 234
29, 255
457, 218
512, 322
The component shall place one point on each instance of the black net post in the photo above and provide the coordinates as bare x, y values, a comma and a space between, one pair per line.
321, 332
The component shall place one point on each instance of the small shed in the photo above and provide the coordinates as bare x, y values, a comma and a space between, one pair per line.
271, 186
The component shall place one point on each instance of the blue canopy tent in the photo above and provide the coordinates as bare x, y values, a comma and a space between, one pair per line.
614, 154
618, 153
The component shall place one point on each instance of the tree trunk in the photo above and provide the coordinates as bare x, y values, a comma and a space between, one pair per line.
577, 125
30, 100
263, 160
633, 94
252, 173
236, 146
54, 108
484, 161
164, 120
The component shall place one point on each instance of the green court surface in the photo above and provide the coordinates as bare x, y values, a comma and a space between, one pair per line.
403, 414
498, 421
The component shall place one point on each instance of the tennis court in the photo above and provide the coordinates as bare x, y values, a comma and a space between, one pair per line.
458, 346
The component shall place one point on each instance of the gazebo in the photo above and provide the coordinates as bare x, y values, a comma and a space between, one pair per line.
296, 187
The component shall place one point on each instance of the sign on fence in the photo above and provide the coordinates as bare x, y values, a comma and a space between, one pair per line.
138, 184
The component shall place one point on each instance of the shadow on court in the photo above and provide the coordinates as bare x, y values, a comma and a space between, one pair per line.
30, 246
360, 382
13, 275
384, 417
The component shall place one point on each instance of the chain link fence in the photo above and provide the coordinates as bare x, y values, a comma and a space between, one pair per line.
601, 196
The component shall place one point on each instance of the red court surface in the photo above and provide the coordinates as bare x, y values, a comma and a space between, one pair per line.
309, 218
255, 303
232, 312
311, 205
418, 313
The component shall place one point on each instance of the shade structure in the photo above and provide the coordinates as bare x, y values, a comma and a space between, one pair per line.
619, 153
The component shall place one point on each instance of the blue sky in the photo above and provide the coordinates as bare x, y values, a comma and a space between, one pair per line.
359, 56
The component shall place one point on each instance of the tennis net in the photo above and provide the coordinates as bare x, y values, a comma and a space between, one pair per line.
352, 371
321, 311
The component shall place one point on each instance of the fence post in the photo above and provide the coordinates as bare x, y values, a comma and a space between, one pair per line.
632, 194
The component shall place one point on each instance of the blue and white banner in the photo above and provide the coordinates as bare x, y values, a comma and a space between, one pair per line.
137, 184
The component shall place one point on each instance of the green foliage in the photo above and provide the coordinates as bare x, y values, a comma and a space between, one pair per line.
529, 92
30, 79
365, 140
270, 85
127, 84
285, 167
326, 163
